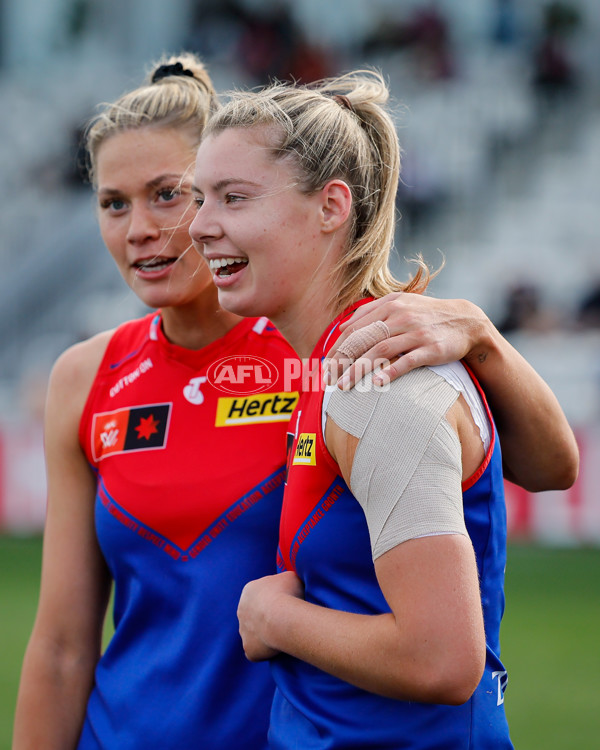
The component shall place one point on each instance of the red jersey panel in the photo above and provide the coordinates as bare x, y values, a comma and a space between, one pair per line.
151, 400
188, 448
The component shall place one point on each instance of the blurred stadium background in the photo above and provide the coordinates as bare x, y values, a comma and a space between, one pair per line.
499, 118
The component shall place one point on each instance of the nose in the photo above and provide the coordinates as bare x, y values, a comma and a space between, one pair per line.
142, 225
204, 226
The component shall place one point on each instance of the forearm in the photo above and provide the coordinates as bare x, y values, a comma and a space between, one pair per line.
53, 694
369, 651
538, 445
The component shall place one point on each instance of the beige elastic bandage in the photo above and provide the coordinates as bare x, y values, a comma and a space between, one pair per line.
360, 341
407, 473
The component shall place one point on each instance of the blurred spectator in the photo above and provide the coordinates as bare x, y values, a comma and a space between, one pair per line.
524, 311
265, 44
78, 16
504, 23
588, 313
66, 169
309, 62
76, 175
425, 34
421, 191
554, 70
216, 27
429, 34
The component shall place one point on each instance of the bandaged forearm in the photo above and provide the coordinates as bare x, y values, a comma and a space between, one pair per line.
407, 468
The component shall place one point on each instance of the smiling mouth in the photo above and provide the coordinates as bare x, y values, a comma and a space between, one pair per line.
226, 266
154, 265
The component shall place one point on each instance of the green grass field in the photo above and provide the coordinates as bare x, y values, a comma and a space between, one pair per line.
550, 637
551, 647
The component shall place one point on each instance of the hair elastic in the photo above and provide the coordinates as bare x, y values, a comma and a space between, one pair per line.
344, 102
176, 69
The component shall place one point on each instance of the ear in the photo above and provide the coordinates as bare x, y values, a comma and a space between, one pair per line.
336, 205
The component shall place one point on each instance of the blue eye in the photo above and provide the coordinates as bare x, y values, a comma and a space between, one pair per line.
169, 194
114, 204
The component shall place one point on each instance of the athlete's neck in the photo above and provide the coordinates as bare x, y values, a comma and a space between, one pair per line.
304, 328
194, 327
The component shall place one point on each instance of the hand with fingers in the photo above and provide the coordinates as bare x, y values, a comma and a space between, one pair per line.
402, 331
264, 603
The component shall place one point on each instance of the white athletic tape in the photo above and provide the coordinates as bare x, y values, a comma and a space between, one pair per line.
360, 341
407, 467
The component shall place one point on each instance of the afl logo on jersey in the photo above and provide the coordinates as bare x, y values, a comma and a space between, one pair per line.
242, 375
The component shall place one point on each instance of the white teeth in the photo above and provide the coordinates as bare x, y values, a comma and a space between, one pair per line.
216, 263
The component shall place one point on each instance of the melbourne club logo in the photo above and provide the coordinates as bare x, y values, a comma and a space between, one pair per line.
137, 428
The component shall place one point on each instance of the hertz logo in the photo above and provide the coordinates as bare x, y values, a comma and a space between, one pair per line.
305, 450
264, 407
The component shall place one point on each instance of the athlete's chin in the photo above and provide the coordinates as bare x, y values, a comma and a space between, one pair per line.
155, 298
173, 291
247, 307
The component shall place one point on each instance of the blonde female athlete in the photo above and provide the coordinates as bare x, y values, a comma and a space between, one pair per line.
382, 626
162, 481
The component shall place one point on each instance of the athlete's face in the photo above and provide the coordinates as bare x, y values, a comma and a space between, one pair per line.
144, 208
258, 231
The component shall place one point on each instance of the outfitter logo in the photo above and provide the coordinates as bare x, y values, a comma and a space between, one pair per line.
264, 407
305, 454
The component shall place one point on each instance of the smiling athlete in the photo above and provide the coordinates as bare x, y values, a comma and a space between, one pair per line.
382, 626
165, 456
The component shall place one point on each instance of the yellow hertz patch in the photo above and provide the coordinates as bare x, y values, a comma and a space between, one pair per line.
261, 407
305, 450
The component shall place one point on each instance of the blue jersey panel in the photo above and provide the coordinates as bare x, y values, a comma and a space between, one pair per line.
190, 471
324, 539
191, 622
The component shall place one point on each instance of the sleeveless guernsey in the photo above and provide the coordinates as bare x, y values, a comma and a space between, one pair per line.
324, 539
188, 448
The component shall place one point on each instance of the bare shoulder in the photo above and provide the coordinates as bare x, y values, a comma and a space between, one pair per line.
74, 371
80, 362
461, 420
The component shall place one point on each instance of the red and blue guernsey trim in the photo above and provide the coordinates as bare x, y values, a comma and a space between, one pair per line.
324, 539
189, 484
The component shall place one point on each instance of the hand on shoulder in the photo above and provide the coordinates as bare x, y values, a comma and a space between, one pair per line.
423, 331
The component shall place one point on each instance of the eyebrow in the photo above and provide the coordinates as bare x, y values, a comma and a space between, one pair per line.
226, 182
154, 183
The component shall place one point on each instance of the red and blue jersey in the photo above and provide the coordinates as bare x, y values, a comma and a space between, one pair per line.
188, 448
324, 539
